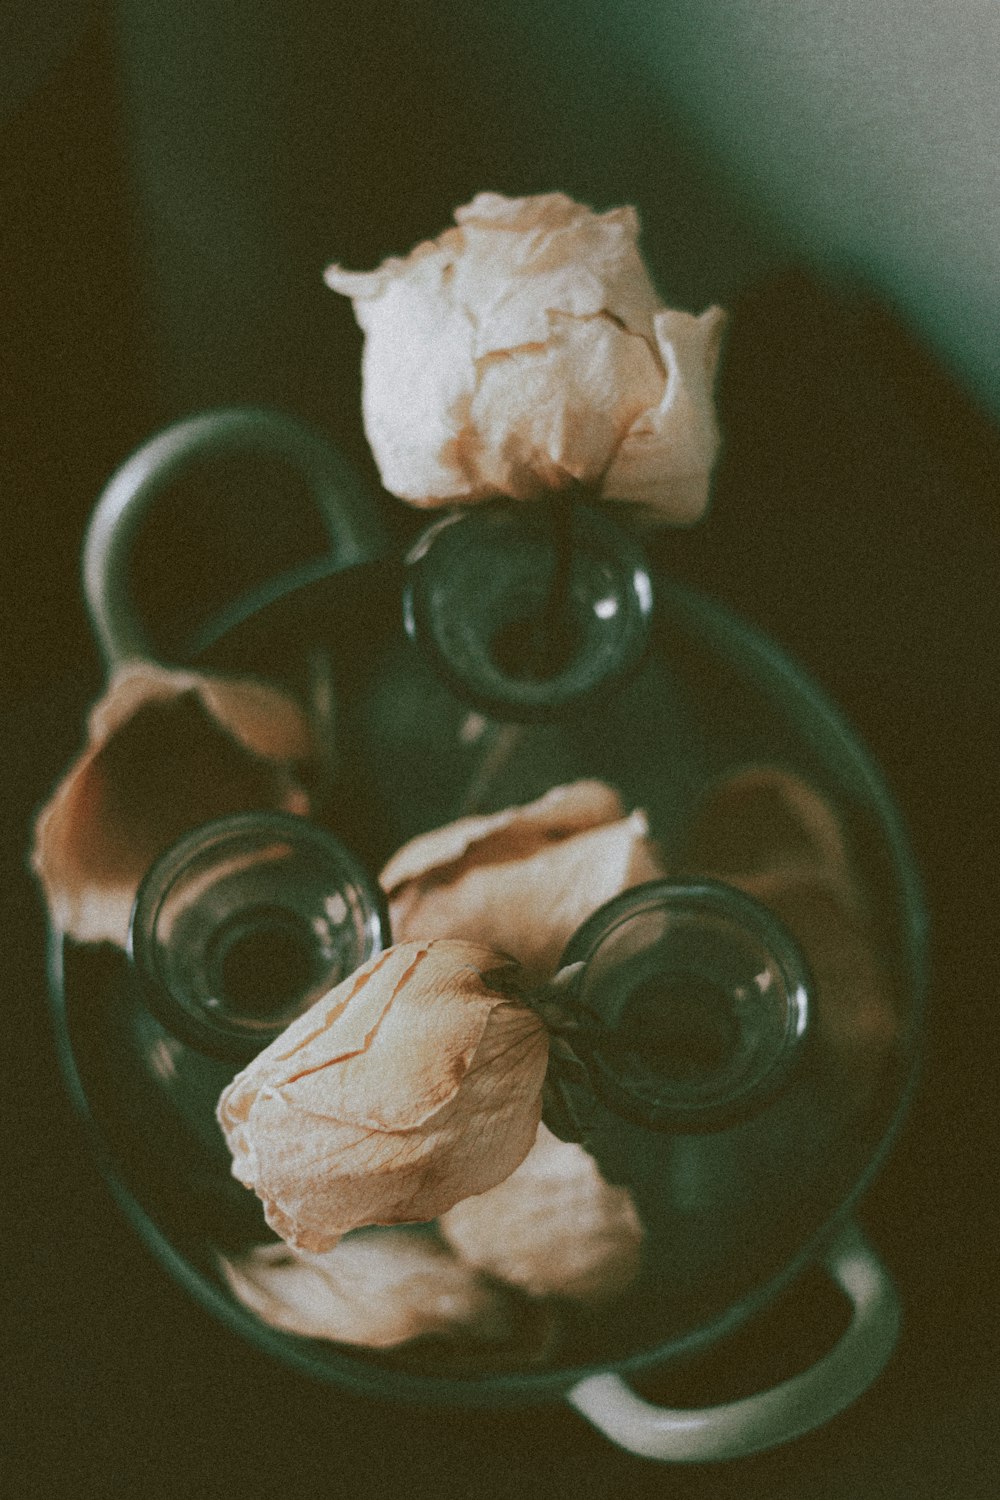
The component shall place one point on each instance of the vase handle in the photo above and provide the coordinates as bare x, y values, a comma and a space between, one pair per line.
348, 515
771, 1417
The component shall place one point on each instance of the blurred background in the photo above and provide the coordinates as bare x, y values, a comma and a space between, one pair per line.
174, 176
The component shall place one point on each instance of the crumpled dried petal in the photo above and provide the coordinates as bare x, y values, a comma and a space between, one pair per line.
412, 1084
526, 349
554, 1227
544, 415
521, 880
679, 435
766, 824
166, 750
377, 1288
772, 835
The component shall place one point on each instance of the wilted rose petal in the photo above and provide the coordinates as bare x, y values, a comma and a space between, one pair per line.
544, 415
166, 751
378, 1288
767, 823
521, 880
525, 349
677, 435
772, 835
414, 1083
858, 1010
554, 1227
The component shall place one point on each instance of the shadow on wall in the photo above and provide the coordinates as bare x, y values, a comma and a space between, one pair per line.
263, 151
868, 129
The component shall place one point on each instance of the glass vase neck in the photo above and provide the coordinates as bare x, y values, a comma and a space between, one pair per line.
691, 1004
243, 923
528, 609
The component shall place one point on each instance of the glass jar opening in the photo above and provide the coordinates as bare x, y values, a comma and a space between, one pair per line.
693, 1004
244, 923
528, 610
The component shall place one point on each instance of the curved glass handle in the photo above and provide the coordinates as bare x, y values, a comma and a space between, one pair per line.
770, 1417
354, 529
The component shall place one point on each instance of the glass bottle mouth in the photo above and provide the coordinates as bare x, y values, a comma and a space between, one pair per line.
531, 609
244, 923
692, 1004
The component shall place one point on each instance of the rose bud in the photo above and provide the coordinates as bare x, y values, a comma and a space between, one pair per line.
521, 880
413, 1083
526, 349
166, 751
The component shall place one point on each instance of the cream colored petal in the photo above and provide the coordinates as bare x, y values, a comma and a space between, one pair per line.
477, 384
546, 414
167, 750
414, 1014
318, 1179
425, 1042
537, 211
665, 461
493, 1119
530, 906
377, 1288
525, 257
492, 837
336, 1026
553, 1228
442, 1099
364, 286
417, 378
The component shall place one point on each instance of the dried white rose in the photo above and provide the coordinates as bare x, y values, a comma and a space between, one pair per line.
554, 1227
524, 879
166, 751
377, 1287
412, 1084
525, 350
521, 880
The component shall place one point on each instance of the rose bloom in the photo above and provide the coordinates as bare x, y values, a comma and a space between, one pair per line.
523, 879
526, 350
166, 751
413, 1083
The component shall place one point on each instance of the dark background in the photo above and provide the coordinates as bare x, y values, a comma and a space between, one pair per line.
170, 190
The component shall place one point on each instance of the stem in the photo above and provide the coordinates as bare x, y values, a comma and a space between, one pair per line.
542, 644
556, 621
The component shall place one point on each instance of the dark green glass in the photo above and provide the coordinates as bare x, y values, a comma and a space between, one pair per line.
732, 1213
